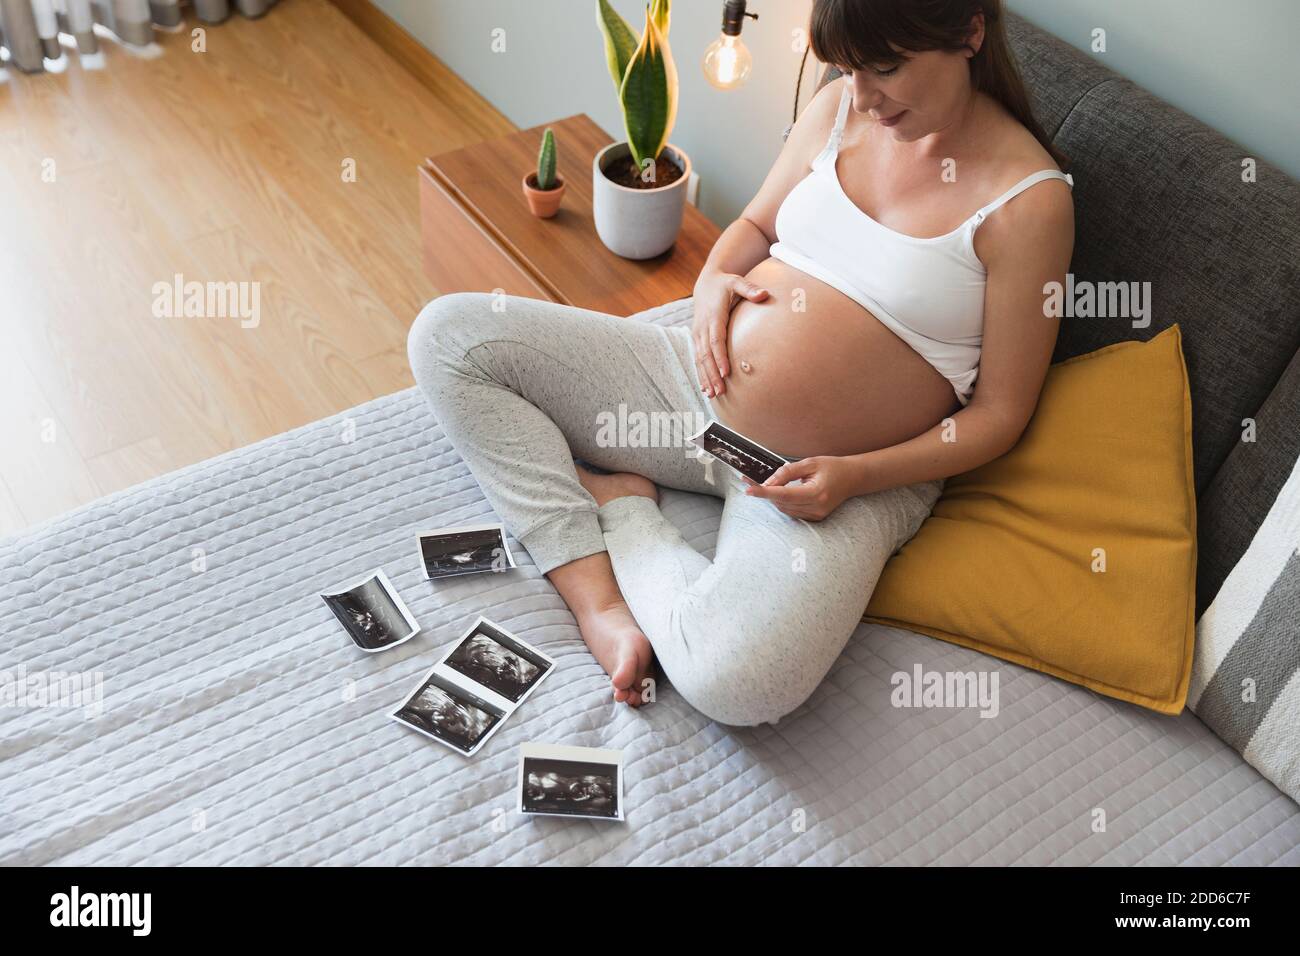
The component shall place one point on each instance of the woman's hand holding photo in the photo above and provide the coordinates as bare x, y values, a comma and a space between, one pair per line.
824, 482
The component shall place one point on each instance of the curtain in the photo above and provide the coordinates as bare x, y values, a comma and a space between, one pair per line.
30, 28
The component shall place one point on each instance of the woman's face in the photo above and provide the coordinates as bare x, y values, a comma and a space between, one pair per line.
923, 94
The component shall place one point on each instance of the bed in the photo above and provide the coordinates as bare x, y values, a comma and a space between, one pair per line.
240, 725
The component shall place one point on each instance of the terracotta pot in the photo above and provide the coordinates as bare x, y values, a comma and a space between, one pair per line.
544, 203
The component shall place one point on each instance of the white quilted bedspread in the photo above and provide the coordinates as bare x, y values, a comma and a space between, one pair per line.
241, 726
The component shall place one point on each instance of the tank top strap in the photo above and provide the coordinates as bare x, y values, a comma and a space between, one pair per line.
841, 118
1030, 180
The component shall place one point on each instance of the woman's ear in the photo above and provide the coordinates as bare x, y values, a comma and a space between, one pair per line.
975, 33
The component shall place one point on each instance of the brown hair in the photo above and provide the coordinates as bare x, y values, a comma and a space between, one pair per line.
860, 34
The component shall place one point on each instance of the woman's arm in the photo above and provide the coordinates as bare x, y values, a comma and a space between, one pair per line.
1026, 246
741, 246
744, 243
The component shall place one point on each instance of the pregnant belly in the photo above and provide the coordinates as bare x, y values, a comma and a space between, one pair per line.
815, 373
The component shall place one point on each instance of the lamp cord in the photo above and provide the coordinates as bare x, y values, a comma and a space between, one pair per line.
798, 83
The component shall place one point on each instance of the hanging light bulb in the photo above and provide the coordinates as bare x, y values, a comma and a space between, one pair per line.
727, 61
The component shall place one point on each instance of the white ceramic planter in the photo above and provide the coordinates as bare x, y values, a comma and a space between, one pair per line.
638, 223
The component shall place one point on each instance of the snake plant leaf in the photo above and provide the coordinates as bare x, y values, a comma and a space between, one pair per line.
620, 41
649, 95
660, 14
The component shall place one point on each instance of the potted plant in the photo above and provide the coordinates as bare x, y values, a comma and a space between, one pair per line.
639, 185
543, 188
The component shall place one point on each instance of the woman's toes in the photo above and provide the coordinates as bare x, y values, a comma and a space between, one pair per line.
621, 649
628, 673
625, 672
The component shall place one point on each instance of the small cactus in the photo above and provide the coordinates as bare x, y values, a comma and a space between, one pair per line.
546, 161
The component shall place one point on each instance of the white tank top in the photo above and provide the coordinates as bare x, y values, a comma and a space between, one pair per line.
928, 292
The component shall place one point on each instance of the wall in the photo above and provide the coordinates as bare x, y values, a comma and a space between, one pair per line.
554, 65
1228, 63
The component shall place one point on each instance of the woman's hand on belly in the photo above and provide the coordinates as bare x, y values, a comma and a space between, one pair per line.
825, 482
713, 304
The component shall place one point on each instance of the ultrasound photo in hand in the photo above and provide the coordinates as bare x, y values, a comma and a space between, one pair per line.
372, 613
739, 453
467, 550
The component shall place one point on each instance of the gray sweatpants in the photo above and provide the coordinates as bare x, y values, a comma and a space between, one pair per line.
521, 387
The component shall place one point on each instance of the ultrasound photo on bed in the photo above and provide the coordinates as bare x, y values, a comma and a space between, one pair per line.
372, 613
498, 660
739, 453
449, 714
467, 550
567, 781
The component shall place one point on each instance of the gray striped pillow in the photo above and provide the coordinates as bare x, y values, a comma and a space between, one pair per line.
1246, 676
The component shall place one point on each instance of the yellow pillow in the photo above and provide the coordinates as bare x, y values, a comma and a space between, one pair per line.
1010, 562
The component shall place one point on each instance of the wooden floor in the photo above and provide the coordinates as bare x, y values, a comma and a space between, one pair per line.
224, 166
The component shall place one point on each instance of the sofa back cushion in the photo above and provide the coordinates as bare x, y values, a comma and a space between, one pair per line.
1161, 198
1160, 201
1234, 507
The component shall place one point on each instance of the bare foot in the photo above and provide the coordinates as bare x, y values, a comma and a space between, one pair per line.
620, 484
610, 630
613, 637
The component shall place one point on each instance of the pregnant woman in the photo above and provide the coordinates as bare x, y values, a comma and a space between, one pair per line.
897, 250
